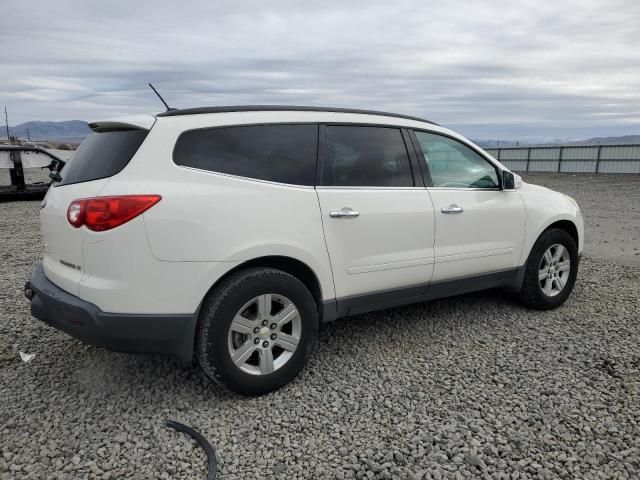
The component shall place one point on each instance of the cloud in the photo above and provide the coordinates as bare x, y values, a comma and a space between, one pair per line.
490, 69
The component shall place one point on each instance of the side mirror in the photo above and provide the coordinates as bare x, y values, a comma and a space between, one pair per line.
508, 180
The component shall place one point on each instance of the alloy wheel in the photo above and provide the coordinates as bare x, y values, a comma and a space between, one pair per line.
554, 270
264, 334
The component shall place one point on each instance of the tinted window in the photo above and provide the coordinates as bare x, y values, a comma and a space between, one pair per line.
278, 153
366, 157
453, 164
102, 155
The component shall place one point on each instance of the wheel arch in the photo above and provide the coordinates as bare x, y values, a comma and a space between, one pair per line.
566, 223
530, 289
568, 226
290, 265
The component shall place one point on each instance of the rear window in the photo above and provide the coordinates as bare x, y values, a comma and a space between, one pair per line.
102, 155
277, 153
359, 156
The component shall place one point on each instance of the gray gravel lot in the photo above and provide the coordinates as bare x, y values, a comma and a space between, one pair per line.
474, 386
611, 207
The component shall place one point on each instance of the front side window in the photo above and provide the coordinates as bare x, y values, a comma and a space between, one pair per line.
365, 157
277, 153
453, 164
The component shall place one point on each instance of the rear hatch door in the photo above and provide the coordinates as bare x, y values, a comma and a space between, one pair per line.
104, 153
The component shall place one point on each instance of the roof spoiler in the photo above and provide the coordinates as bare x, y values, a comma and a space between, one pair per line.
133, 122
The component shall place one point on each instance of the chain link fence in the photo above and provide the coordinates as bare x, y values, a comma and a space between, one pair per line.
571, 158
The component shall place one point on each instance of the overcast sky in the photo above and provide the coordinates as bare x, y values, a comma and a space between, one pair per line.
513, 69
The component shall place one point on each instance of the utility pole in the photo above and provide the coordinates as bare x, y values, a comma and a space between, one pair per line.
6, 119
28, 134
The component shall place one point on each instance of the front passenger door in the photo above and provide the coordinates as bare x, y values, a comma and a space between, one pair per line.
479, 227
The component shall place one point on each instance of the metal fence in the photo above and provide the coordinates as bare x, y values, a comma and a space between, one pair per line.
571, 158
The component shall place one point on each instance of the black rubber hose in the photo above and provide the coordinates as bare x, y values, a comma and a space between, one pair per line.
204, 444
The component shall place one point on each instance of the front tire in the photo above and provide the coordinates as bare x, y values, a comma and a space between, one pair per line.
256, 330
551, 270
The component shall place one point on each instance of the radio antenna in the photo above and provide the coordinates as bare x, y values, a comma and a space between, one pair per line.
161, 99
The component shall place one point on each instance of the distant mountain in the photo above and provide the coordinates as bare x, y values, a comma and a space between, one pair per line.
622, 140
502, 143
58, 131
76, 130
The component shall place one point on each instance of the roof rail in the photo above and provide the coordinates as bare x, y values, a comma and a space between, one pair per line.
279, 108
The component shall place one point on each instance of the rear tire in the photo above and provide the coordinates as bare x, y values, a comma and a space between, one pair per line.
551, 270
256, 330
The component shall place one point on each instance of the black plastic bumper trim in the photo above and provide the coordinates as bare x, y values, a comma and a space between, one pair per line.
141, 333
353, 305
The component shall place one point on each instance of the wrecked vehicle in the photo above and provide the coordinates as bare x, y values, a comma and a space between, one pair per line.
33, 186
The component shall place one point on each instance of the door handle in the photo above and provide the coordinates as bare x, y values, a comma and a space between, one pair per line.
452, 209
346, 212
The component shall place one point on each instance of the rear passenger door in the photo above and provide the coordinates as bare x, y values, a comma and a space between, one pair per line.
378, 222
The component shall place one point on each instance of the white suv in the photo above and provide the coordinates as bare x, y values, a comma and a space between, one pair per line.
230, 234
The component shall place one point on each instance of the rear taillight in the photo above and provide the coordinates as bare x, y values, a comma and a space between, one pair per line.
104, 213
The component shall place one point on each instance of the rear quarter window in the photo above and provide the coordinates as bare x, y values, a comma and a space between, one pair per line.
102, 155
277, 153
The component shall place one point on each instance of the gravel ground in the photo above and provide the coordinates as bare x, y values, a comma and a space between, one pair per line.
474, 386
611, 207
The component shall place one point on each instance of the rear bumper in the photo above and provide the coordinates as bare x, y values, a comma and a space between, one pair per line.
141, 333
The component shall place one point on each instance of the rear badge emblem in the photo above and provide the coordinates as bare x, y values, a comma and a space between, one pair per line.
70, 265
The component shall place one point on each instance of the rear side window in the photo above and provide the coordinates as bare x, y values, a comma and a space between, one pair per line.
277, 153
366, 157
102, 155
